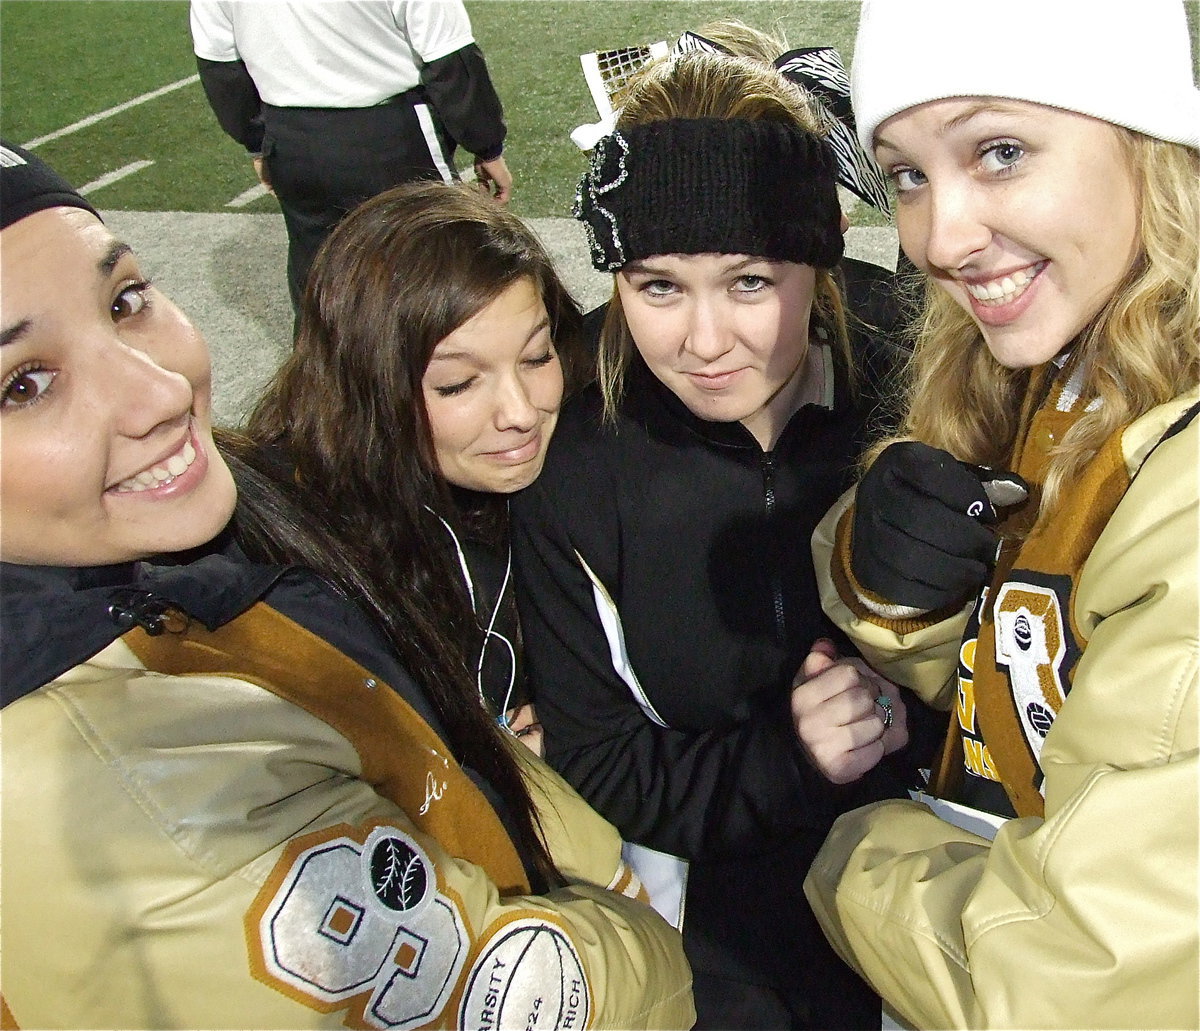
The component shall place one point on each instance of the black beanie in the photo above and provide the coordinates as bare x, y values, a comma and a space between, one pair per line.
711, 186
28, 184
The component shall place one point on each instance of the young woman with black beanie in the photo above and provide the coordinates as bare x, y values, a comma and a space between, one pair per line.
231, 798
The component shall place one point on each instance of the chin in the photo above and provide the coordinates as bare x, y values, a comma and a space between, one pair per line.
522, 478
1018, 355
514, 485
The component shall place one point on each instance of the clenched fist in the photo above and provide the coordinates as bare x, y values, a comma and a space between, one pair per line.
922, 526
840, 721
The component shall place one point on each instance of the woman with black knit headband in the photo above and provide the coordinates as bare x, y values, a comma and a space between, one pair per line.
667, 594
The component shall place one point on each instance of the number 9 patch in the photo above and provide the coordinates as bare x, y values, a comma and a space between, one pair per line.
344, 922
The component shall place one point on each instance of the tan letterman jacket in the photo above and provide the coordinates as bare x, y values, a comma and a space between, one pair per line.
1083, 914
244, 829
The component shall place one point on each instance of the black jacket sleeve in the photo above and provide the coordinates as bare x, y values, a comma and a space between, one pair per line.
234, 99
461, 91
737, 787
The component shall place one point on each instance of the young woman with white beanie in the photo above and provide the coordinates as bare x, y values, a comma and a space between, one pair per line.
1045, 166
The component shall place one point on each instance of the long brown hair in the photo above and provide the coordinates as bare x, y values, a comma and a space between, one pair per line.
343, 427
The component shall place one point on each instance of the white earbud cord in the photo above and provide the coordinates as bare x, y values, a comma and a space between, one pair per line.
488, 631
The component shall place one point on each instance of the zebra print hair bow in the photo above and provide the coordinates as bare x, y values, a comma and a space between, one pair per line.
820, 72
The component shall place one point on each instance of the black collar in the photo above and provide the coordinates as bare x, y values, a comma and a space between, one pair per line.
646, 397
52, 619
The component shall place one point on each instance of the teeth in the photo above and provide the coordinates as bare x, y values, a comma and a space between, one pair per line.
159, 475
1006, 290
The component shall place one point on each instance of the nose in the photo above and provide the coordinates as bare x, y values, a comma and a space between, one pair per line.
515, 409
956, 232
144, 394
708, 334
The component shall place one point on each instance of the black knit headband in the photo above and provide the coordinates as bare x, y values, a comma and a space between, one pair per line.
28, 184
711, 186
820, 73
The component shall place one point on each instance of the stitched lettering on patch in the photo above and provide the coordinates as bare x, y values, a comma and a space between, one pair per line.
527, 975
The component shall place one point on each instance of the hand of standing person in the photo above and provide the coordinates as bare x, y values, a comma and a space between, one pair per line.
847, 716
494, 179
260, 170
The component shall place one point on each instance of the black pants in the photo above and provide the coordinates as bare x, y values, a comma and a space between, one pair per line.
323, 162
759, 958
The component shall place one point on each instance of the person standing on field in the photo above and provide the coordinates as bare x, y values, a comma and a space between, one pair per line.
338, 102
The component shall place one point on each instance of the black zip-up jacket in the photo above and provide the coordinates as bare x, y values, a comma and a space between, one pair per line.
692, 544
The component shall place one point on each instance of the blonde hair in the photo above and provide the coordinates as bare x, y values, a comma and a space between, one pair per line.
1141, 349
705, 85
743, 40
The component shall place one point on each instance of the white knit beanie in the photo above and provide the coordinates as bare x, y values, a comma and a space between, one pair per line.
1126, 63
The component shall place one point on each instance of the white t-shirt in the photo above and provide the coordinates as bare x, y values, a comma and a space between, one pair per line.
329, 53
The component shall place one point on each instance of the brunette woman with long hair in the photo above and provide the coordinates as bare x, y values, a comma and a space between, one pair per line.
359, 425
224, 791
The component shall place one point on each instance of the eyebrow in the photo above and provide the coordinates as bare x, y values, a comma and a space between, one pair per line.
975, 110
15, 332
105, 266
640, 267
988, 106
116, 251
467, 356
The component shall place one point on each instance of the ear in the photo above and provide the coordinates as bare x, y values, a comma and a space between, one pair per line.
845, 223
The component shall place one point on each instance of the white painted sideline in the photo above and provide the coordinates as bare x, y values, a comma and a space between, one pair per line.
116, 174
83, 123
246, 196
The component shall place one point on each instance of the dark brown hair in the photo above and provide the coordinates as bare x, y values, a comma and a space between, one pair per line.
343, 429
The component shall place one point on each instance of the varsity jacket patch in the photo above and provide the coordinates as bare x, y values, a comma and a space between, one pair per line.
354, 918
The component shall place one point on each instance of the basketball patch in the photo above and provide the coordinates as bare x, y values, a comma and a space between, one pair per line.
528, 975
352, 918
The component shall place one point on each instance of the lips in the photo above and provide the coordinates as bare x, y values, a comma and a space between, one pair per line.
712, 380
161, 473
1004, 289
521, 453
1004, 299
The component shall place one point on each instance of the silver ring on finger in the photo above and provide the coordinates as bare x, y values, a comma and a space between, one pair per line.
885, 703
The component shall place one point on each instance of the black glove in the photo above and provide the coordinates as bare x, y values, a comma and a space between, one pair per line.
921, 520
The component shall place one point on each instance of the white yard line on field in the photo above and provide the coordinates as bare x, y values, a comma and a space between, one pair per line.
111, 177
246, 196
83, 123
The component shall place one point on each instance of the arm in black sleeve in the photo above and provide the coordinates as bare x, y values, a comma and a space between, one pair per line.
736, 787
234, 99
461, 91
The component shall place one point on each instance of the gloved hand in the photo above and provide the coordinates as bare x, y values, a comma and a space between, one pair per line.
921, 521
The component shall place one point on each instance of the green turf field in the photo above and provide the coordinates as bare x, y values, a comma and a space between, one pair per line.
65, 60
